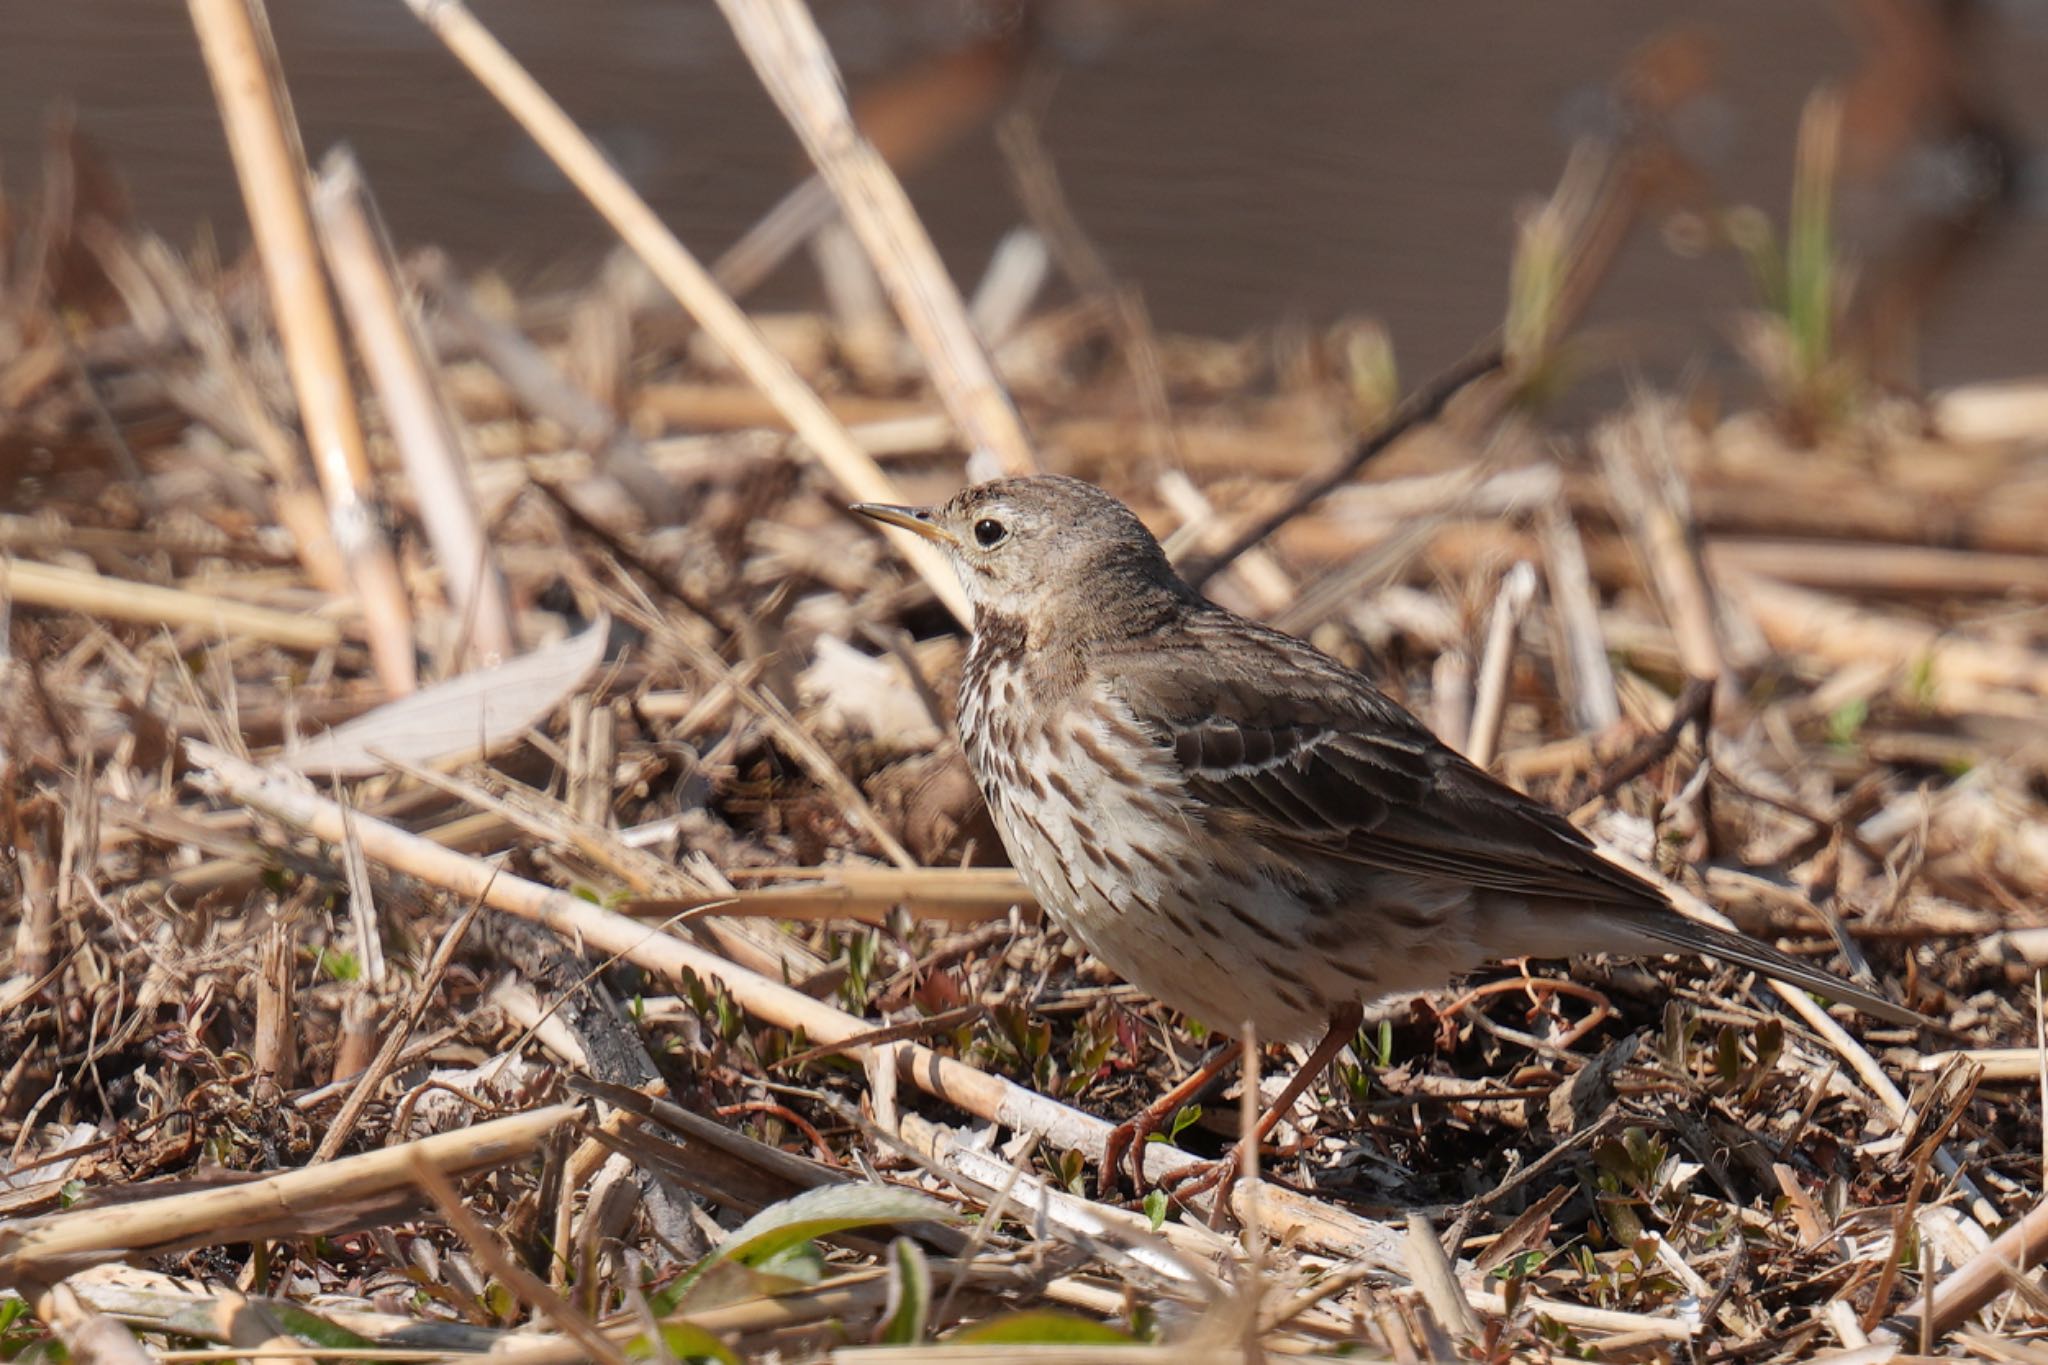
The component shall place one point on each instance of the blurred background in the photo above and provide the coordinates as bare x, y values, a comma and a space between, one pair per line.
1243, 165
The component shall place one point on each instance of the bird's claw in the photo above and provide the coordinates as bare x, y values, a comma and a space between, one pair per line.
1125, 1148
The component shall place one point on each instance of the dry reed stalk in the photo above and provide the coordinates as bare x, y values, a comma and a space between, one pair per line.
275, 1051
910, 119
1450, 698
1422, 406
2021, 1248
1257, 573
1011, 284
1998, 1063
1172, 1257
788, 732
1046, 205
1433, 1274
36, 882
856, 302
359, 257
91, 594
247, 416
1652, 508
1887, 569
257, 1329
856, 472
364, 1086
234, 36
2008, 410
535, 815
782, 41
956, 895
164, 1304
1949, 671
1585, 677
733, 407
966, 1353
1516, 591
287, 1204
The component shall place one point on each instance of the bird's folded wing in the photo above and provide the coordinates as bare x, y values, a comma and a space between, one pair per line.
1300, 752
1313, 756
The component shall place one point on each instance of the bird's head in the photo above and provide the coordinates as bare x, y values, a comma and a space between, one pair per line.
1050, 551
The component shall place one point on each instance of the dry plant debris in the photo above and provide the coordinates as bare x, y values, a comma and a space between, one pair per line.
658, 990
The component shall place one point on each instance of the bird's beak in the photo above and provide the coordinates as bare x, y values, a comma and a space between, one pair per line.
916, 520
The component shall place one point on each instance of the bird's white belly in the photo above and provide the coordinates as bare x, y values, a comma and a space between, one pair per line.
1097, 823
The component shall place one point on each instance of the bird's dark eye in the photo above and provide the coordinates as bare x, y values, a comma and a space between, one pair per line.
989, 533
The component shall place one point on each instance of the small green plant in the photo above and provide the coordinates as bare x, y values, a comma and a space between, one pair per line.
1805, 285
1845, 722
1086, 1059
1374, 1048
714, 1004
337, 966
1674, 1042
1040, 1327
1555, 247
1182, 1117
19, 1332
1920, 684
1023, 1043
1744, 1063
910, 1295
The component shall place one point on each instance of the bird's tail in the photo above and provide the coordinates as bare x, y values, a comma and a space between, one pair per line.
1667, 931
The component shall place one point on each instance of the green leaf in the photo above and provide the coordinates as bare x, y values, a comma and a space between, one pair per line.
910, 1294
1845, 722
801, 1264
686, 1341
816, 1213
44, 1351
1041, 1327
315, 1330
716, 1284
1155, 1208
1519, 1266
338, 966
1182, 1117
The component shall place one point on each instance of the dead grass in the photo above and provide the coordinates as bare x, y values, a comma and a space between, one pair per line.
661, 991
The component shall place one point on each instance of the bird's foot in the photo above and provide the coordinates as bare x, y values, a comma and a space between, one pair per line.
1216, 1178
1129, 1138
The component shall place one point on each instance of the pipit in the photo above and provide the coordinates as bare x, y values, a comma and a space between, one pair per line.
1238, 824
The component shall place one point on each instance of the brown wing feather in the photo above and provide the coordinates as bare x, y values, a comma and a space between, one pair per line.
1311, 755
1269, 728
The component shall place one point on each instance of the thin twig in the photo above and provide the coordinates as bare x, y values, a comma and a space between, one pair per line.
1423, 405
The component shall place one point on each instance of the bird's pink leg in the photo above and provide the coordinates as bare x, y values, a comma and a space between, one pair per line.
1221, 1175
1132, 1134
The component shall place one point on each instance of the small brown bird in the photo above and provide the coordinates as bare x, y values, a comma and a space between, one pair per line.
1240, 825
